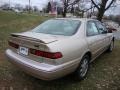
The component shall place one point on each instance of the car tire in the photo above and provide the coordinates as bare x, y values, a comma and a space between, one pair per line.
111, 46
83, 68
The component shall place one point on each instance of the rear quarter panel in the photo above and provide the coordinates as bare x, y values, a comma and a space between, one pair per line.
72, 48
110, 36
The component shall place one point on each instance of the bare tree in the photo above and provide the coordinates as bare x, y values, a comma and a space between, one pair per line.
18, 6
35, 8
28, 8
5, 6
49, 7
102, 6
67, 4
83, 9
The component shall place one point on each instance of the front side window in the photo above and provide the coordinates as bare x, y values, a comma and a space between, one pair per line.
100, 27
91, 29
58, 27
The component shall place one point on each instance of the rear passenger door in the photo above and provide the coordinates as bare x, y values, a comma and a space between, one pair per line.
93, 38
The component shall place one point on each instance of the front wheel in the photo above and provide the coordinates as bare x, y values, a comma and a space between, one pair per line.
82, 70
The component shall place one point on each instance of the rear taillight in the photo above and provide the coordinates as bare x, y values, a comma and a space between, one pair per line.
46, 54
13, 45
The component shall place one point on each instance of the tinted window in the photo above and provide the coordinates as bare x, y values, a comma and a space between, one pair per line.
100, 27
91, 29
58, 27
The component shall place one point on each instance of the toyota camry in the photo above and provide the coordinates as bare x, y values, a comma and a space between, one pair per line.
59, 47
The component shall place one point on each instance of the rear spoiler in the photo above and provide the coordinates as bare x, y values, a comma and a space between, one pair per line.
18, 35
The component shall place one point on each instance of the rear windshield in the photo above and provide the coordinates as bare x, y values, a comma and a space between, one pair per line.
58, 27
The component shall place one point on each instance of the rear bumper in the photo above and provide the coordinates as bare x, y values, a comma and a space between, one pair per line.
41, 70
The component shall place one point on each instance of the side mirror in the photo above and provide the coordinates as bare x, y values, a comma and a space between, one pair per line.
109, 30
104, 32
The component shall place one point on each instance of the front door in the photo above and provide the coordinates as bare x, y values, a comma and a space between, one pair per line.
94, 39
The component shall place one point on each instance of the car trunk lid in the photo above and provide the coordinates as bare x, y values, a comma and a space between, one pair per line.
35, 41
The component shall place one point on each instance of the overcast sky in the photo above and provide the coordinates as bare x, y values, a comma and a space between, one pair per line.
41, 3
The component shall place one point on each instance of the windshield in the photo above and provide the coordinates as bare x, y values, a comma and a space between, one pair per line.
58, 27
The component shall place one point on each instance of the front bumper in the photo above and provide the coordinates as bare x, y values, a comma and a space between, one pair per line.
40, 70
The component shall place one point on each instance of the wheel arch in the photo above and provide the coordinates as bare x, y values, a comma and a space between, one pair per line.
113, 39
89, 54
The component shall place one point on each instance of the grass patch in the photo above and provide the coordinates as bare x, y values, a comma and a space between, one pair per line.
104, 73
11, 22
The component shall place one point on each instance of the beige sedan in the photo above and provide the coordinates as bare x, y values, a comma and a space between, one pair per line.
59, 46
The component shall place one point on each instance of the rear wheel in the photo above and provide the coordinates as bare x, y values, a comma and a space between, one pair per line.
82, 70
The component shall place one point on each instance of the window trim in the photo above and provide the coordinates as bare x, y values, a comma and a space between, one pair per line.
96, 27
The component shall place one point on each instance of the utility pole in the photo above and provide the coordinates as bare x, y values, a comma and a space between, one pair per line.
9, 4
29, 6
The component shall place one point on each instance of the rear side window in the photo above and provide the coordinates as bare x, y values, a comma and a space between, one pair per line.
92, 29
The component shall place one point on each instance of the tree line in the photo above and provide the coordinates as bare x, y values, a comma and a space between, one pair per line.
79, 5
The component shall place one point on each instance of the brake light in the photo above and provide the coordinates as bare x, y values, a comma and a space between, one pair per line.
13, 45
50, 55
